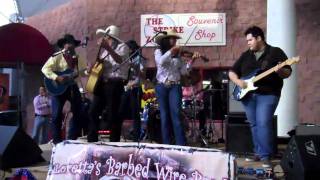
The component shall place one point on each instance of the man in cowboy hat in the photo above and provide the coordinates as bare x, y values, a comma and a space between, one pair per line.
130, 101
60, 62
110, 87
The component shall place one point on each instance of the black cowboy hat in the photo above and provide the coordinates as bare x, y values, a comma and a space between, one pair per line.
68, 38
133, 45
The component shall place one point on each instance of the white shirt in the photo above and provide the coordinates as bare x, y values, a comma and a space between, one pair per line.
110, 64
169, 68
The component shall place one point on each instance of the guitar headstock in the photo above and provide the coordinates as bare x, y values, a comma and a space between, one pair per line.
292, 60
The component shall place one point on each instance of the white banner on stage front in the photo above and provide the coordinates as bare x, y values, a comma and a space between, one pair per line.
204, 29
102, 161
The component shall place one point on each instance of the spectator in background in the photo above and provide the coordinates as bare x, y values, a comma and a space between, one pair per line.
42, 106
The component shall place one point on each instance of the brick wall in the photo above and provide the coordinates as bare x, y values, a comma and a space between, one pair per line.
308, 48
81, 17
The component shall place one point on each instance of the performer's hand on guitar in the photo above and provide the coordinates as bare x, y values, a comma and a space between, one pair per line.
241, 83
60, 79
130, 84
283, 72
103, 42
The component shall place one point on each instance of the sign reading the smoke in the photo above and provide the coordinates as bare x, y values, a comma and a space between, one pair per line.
206, 29
124, 161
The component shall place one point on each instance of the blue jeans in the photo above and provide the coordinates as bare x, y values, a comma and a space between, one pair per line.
260, 110
41, 124
170, 101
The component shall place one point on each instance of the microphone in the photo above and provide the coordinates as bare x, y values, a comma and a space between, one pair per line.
85, 42
161, 32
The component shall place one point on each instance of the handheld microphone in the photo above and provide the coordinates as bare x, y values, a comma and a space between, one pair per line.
85, 42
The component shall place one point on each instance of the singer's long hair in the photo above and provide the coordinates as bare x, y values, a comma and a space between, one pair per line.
165, 45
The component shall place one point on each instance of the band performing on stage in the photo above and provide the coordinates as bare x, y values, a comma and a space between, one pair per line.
175, 105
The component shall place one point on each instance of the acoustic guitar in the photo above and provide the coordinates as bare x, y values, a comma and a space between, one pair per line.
96, 70
55, 88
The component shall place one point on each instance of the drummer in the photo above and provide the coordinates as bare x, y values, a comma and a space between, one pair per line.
192, 93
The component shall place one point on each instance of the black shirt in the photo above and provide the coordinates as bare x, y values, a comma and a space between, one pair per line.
247, 64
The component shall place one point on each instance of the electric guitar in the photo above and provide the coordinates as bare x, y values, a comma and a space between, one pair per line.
239, 93
55, 88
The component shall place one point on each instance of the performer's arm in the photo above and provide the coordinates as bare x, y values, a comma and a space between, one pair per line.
48, 69
235, 78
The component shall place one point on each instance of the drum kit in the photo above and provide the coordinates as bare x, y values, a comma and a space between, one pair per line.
191, 106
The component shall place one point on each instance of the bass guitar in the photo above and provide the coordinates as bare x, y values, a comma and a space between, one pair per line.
55, 88
239, 93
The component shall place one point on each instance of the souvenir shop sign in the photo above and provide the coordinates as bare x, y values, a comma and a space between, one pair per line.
204, 29
74, 160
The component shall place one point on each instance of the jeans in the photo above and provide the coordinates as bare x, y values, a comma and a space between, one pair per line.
170, 101
260, 110
41, 124
72, 94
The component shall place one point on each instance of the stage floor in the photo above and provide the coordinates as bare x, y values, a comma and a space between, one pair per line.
40, 170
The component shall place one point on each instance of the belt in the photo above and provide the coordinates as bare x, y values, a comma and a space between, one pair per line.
169, 83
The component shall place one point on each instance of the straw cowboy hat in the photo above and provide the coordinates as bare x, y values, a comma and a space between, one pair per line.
111, 31
68, 38
169, 33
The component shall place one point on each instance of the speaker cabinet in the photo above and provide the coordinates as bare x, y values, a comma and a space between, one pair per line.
301, 159
17, 149
239, 137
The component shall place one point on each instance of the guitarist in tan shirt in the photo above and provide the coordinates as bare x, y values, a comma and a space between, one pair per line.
260, 104
59, 62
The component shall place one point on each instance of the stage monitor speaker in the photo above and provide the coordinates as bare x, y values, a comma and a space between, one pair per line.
309, 129
301, 159
17, 149
239, 137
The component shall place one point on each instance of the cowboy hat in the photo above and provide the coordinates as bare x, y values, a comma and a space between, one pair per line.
68, 38
133, 45
167, 34
111, 31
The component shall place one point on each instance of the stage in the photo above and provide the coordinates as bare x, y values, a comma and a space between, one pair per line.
40, 170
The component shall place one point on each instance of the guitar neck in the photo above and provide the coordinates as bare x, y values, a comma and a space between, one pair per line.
268, 72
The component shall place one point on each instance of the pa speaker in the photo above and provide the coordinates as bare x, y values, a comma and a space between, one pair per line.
239, 137
17, 149
309, 129
301, 158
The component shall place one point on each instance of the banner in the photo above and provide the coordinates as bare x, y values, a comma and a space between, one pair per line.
103, 161
204, 29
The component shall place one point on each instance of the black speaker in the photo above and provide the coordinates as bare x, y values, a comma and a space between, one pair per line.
301, 159
17, 149
308, 129
239, 137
